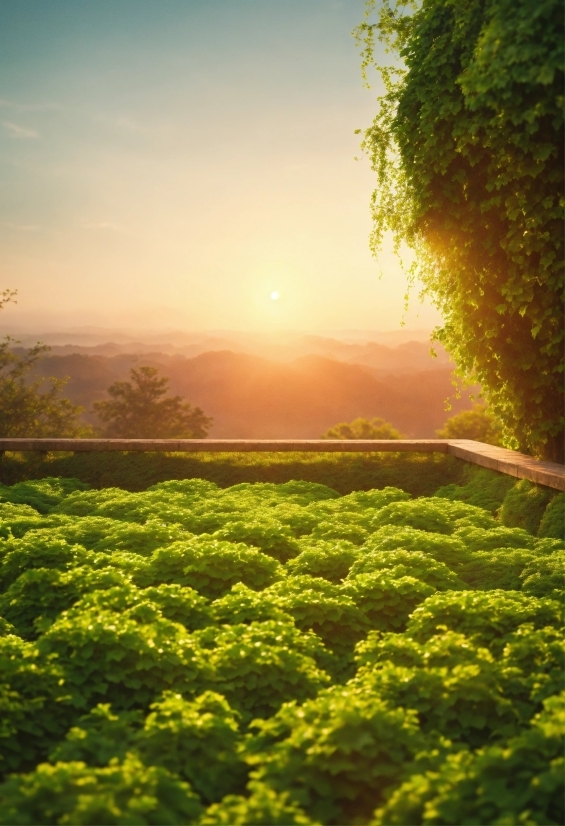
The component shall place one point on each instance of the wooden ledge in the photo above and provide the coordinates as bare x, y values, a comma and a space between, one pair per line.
500, 459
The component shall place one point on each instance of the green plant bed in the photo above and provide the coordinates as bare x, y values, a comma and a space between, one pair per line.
275, 654
419, 473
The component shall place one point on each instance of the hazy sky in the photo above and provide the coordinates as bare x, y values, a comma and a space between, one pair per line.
174, 162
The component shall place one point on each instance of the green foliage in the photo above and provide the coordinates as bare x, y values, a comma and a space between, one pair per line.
430, 515
518, 783
263, 807
448, 549
199, 740
257, 666
376, 428
212, 567
327, 610
478, 424
483, 488
456, 687
553, 522
336, 754
41, 494
324, 558
100, 736
418, 473
41, 594
125, 656
37, 551
467, 147
524, 506
123, 792
480, 539
268, 536
497, 569
243, 605
386, 601
27, 408
545, 576
152, 671
33, 703
402, 563
137, 410
484, 617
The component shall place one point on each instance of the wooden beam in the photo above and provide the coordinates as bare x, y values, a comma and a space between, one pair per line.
510, 462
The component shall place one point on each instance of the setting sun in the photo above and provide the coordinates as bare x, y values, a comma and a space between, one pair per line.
274, 296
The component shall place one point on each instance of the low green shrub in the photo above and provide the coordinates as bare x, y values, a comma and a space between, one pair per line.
524, 505
553, 521
258, 665
212, 566
402, 563
328, 559
484, 488
521, 782
123, 792
276, 654
335, 755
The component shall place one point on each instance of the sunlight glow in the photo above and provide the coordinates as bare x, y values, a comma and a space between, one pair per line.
274, 296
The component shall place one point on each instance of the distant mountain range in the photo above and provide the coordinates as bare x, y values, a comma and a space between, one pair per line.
284, 395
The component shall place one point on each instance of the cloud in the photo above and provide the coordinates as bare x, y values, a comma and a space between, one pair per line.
16, 131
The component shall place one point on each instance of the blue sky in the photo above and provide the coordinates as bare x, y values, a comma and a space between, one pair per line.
175, 162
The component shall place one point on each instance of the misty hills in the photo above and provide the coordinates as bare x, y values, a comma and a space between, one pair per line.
403, 357
250, 396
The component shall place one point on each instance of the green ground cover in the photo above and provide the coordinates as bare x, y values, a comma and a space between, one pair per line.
281, 653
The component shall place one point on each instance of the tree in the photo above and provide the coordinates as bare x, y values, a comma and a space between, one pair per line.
26, 410
363, 429
138, 410
468, 151
479, 424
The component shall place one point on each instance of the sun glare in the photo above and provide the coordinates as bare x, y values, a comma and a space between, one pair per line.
274, 296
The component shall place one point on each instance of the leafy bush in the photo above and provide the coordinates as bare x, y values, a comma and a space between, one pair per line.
124, 656
455, 686
479, 539
387, 602
269, 537
199, 740
123, 792
263, 807
407, 563
41, 494
155, 670
321, 607
499, 568
337, 754
524, 506
483, 488
212, 567
257, 666
485, 617
447, 549
519, 782
553, 522
324, 558
545, 576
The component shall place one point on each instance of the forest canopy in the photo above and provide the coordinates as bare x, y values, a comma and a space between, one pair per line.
467, 147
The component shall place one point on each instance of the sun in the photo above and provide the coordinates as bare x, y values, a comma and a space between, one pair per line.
274, 296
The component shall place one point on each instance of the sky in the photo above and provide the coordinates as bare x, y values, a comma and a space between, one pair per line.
189, 164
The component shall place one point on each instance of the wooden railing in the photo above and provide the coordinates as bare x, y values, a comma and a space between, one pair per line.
496, 458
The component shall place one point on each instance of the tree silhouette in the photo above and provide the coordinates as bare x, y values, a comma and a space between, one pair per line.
363, 429
138, 410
